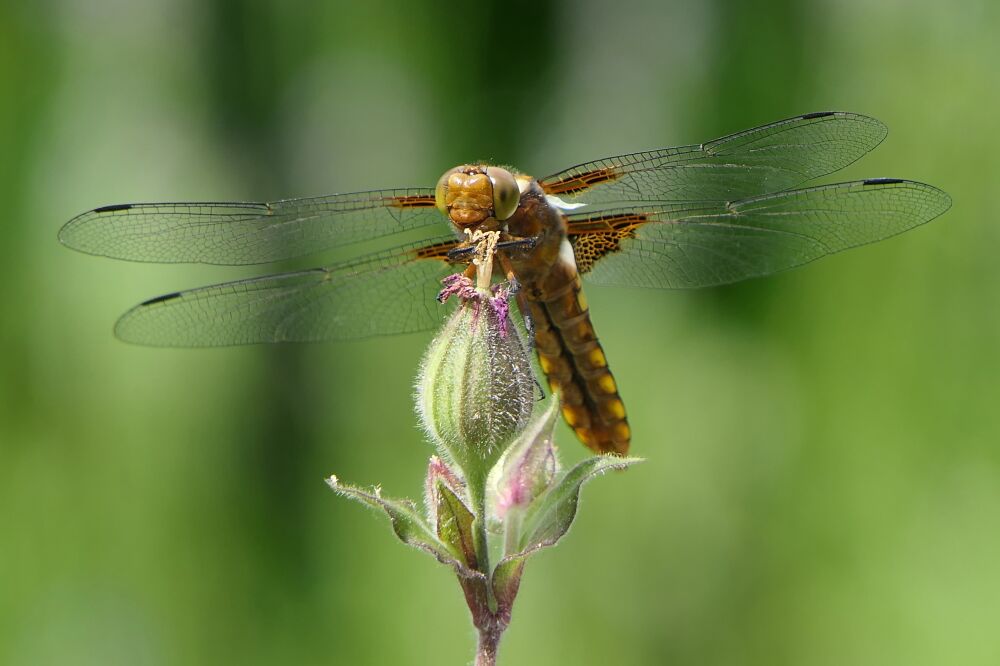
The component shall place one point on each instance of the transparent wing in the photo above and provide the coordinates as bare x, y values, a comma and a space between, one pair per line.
379, 294
248, 233
757, 161
676, 245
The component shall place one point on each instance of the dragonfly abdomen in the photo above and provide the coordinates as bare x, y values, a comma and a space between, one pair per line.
572, 359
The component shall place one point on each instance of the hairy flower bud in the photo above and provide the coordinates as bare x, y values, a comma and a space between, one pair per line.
475, 391
527, 468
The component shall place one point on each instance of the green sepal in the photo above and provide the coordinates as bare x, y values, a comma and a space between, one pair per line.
548, 519
407, 524
454, 524
526, 469
507, 579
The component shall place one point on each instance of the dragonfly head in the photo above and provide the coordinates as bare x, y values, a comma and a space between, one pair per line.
473, 193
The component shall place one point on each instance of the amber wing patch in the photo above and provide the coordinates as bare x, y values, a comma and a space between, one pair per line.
413, 201
579, 182
435, 251
600, 235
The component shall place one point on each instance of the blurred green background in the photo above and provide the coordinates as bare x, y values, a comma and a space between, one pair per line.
823, 466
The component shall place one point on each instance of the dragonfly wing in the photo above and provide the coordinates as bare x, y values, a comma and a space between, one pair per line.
677, 245
379, 294
765, 159
248, 233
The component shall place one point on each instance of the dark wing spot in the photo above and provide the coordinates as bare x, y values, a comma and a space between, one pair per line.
160, 299
412, 202
602, 223
112, 208
882, 181
590, 248
597, 236
817, 114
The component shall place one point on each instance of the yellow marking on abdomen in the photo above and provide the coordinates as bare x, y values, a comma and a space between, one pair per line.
612, 410
597, 359
574, 415
572, 359
546, 363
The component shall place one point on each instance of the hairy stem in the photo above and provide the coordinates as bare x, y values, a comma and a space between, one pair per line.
479, 593
489, 641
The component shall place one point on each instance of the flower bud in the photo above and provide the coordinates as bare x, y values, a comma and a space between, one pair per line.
475, 390
527, 468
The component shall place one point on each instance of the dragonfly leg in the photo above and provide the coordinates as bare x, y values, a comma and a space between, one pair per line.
518, 244
529, 327
516, 289
512, 282
464, 254
529, 322
461, 255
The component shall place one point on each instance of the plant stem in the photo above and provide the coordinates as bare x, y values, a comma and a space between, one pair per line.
479, 594
477, 494
489, 641
477, 497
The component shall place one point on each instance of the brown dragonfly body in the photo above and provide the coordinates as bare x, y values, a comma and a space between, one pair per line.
550, 295
568, 350
683, 217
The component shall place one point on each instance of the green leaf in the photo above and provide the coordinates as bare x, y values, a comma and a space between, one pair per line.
406, 523
547, 520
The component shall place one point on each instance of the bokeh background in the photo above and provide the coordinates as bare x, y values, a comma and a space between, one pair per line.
823, 446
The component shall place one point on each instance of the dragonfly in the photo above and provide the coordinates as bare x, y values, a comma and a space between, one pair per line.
683, 217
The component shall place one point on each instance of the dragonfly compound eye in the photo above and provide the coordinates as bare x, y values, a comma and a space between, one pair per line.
506, 193
441, 191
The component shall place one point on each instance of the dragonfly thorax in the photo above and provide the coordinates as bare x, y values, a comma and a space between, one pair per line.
473, 193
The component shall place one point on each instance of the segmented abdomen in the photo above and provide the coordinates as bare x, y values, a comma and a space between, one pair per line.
572, 358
